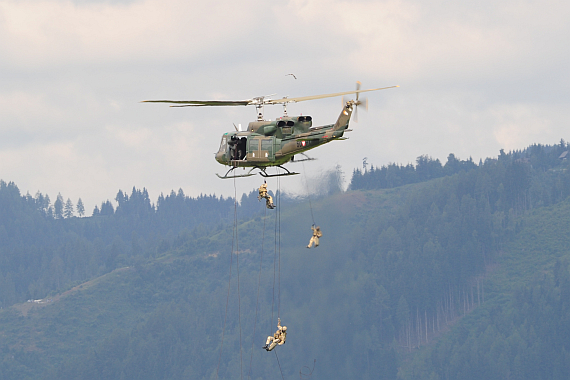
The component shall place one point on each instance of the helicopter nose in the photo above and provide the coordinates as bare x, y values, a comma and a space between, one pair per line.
220, 157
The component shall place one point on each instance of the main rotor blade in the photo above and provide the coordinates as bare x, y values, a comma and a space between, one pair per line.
256, 101
303, 98
199, 103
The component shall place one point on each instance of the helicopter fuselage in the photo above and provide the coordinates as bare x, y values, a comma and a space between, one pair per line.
273, 143
268, 143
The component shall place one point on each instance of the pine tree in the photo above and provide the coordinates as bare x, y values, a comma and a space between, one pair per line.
58, 207
68, 209
80, 208
107, 208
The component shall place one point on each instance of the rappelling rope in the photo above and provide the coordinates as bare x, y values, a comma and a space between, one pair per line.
274, 274
305, 376
238, 289
226, 315
258, 287
278, 194
279, 365
234, 240
228, 296
278, 254
308, 192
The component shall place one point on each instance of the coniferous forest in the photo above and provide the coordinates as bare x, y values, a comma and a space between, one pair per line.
425, 271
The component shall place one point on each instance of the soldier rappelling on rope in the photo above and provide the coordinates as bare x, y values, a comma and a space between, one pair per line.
276, 339
316, 235
264, 194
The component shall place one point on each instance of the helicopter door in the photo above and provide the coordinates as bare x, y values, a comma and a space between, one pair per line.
260, 149
267, 152
254, 149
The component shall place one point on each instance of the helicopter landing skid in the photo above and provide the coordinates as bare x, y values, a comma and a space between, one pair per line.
225, 176
264, 174
307, 158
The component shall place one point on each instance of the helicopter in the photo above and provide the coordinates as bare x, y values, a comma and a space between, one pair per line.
267, 143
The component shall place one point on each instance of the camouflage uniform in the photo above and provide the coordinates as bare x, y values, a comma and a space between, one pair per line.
264, 194
316, 235
278, 338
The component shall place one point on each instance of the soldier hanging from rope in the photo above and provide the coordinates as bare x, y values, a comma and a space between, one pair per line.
316, 235
278, 338
264, 194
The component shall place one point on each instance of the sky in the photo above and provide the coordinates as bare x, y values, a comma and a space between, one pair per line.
475, 77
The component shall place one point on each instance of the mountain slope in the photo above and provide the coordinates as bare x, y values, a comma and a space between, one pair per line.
522, 330
396, 269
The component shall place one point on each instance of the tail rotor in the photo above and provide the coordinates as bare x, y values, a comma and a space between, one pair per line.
358, 102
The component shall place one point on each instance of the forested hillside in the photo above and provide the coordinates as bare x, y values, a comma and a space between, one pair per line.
523, 329
402, 262
44, 250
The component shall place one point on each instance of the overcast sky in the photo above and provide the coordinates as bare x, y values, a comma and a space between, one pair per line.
475, 77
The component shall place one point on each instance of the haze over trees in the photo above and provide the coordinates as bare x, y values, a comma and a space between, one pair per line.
37, 236
409, 253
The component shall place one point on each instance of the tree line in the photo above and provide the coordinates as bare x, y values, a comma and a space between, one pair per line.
392, 282
45, 249
396, 273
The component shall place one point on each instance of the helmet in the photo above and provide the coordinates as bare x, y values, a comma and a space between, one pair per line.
284, 328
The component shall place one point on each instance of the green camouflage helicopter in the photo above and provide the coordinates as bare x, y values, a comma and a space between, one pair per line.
268, 143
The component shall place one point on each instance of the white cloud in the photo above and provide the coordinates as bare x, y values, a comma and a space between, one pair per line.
49, 32
475, 77
516, 125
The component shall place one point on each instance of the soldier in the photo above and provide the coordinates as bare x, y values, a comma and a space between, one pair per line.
316, 235
264, 194
233, 145
241, 148
278, 338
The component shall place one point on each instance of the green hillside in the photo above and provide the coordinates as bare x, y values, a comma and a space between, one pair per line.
522, 330
411, 274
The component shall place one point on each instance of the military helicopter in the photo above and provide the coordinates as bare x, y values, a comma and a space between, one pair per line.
267, 143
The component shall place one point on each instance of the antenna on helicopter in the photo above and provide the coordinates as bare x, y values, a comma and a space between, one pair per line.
285, 104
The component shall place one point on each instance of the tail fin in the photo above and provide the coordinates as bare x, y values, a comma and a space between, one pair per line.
344, 117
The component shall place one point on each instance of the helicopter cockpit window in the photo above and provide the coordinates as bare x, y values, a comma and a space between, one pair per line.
223, 144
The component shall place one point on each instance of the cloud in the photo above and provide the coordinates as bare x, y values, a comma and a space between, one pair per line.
475, 77
516, 125
49, 32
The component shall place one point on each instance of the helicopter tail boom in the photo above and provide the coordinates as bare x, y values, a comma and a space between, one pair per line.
344, 117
